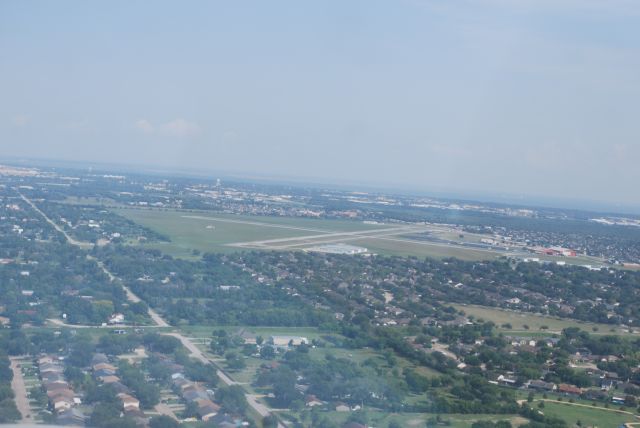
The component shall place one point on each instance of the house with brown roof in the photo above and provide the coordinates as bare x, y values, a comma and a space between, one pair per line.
565, 388
61, 400
312, 401
207, 409
64, 392
128, 401
110, 379
104, 366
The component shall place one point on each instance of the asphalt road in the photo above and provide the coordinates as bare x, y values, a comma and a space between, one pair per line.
258, 407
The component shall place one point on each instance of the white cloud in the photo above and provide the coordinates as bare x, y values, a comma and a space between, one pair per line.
143, 125
20, 120
180, 128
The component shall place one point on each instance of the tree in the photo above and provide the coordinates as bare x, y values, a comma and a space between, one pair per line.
268, 422
324, 422
201, 372
103, 413
284, 388
8, 411
147, 393
38, 395
6, 392
235, 361
163, 421
358, 416
267, 352
232, 398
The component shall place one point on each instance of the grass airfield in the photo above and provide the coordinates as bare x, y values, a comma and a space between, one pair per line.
217, 232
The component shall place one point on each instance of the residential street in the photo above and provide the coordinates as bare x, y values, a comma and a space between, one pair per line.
20, 390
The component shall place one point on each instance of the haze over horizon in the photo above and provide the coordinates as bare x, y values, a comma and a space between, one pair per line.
536, 98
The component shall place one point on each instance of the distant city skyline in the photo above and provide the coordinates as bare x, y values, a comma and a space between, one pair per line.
537, 99
507, 199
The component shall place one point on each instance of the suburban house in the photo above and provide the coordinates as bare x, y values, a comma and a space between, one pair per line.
564, 388
540, 385
283, 341
128, 401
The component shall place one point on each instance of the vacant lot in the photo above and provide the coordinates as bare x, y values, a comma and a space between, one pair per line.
519, 319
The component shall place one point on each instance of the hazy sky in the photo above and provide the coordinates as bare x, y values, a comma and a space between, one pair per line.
537, 97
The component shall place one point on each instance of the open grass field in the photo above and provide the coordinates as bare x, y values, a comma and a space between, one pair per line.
580, 260
76, 200
589, 416
535, 322
405, 247
418, 420
210, 232
206, 331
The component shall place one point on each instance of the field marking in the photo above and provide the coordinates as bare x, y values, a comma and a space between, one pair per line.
381, 234
433, 244
330, 236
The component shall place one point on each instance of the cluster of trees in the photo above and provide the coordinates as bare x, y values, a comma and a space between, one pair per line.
331, 379
191, 290
46, 277
232, 399
107, 410
78, 217
8, 410
144, 379
148, 393
356, 285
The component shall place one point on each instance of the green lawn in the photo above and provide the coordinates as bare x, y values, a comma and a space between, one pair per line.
418, 420
519, 319
206, 331
212, 232
398, 246
247, 375
593, 416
